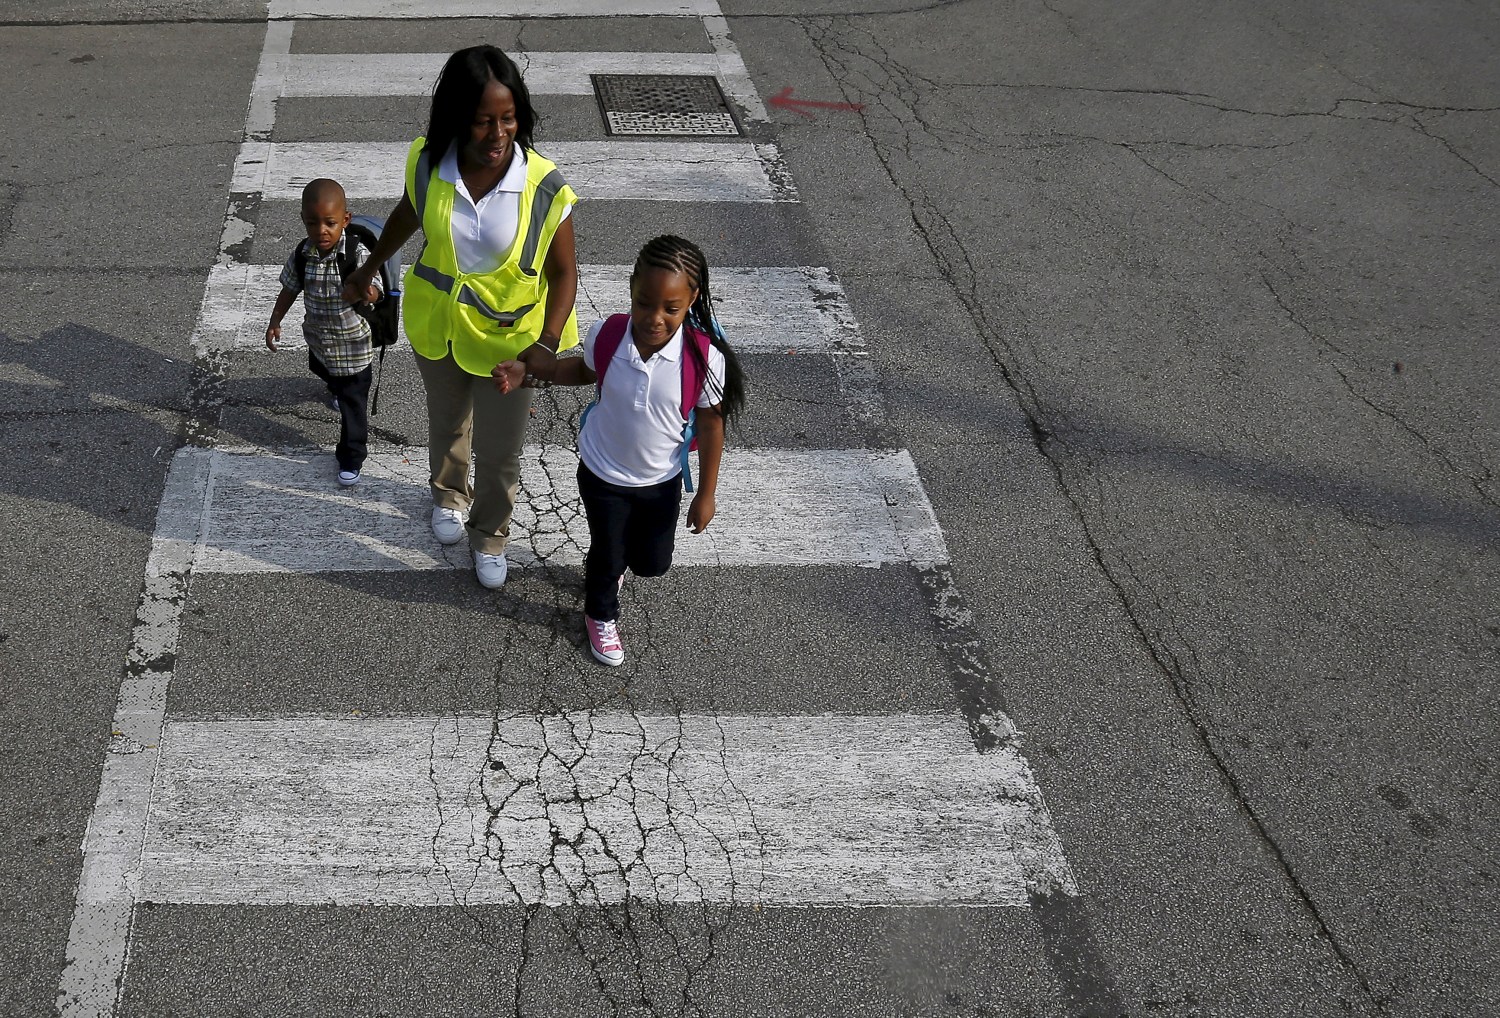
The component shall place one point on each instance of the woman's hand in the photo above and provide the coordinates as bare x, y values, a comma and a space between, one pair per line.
701, 511
357, 287
509, 376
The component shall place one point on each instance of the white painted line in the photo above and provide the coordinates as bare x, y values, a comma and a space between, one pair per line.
588, 809
763, 309
270, 81
283, 513
734, 75
390, 74
645, 170
99, 937
422, 9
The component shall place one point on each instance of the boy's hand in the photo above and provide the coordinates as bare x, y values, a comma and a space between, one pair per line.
701, 512
508, 376
273, 333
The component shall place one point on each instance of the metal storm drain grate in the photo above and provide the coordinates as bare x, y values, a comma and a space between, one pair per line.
663, 104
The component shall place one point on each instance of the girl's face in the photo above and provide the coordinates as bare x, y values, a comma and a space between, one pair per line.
659, 303
493, 132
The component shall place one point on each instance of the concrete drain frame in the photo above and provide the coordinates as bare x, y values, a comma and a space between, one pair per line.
664, 104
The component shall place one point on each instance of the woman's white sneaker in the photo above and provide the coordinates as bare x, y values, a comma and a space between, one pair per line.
348, 478
490, 569
604, 641
447, 524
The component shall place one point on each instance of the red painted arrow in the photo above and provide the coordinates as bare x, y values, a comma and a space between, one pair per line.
785, 101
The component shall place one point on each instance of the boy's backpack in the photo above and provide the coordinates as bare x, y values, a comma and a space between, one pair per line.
694, 377
384, 315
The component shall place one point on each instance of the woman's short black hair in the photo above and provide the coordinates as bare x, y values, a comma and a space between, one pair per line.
456, 95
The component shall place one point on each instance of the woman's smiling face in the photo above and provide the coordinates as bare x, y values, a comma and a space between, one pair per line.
493, 132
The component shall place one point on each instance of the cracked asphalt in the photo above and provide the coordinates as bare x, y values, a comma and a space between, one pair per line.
1185, 315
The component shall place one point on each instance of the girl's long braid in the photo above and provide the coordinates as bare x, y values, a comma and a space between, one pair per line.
678, 255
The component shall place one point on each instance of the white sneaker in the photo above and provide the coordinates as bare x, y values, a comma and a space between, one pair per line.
490, 569
447, 524
604, 641
348, 478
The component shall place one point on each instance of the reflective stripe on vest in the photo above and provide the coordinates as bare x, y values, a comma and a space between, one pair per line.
466, 295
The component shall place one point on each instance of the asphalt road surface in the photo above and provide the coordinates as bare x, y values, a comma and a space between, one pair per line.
1103, 614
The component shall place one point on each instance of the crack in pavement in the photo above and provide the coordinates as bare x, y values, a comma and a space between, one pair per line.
864, 71
603, 828
1428, 445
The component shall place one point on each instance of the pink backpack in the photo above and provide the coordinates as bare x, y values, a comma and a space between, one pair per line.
694, 377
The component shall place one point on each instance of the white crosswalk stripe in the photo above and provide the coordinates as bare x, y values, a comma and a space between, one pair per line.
269, 512
488, 9
674, 171
414, 74
832, 810
785, 809
765, 308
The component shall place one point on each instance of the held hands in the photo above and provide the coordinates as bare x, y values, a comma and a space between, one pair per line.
701, 512
273, 333
509, 376
357, 288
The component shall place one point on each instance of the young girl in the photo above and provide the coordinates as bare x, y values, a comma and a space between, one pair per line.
664, 373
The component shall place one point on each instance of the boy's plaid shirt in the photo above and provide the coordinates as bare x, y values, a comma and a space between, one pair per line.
334, 332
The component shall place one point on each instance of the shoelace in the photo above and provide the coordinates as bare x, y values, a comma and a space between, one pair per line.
609, 636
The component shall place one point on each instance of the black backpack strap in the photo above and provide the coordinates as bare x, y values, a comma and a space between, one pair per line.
299, 262
349, 262
375, 393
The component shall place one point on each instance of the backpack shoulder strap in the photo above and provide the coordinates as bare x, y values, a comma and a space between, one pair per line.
694, 369
348, 262
299, 261
605, 345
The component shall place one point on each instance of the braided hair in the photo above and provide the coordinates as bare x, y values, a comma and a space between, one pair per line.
675, 254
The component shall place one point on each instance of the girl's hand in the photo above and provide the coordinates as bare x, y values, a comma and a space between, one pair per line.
701, 512
273, 333
508, 376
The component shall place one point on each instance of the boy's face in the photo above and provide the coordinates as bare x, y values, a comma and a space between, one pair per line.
325, 221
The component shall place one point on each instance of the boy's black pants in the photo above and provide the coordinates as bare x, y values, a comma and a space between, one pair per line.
353, 394
632, 528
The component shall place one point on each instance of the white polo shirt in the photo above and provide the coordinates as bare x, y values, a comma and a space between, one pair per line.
634, 436
484, 231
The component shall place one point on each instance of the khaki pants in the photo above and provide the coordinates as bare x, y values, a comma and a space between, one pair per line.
467, 413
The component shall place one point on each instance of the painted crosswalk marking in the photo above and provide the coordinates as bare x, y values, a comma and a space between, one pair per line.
270, 512
763, 309
677, 171
389, 74
574, 809
157, 799
413, 9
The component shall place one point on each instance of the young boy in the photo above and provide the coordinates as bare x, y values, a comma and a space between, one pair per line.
338, 339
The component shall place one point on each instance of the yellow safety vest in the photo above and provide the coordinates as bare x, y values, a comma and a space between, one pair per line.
487, 317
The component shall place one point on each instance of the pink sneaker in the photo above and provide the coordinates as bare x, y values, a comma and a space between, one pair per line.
604, 641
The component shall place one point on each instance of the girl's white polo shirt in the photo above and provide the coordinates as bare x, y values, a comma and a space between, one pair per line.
634, 436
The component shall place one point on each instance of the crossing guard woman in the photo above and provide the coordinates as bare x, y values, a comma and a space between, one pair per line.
495, 281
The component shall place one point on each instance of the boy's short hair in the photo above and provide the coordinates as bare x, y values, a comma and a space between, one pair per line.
321, 190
